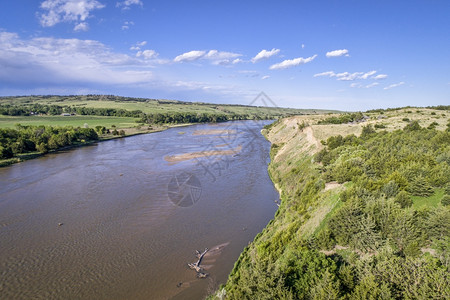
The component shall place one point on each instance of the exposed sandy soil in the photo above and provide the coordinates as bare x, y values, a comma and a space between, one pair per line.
331, 185
192, 155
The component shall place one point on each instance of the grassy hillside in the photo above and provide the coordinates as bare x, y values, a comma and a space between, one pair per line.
154, 105
362, 212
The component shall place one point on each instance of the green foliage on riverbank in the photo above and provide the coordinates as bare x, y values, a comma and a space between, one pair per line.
41, 139
385, 234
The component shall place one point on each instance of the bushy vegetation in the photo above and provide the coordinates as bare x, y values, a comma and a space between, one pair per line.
25, 139
343, 118
36, 109
374, 244
180, 118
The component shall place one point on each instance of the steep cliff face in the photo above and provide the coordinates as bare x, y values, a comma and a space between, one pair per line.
348, 218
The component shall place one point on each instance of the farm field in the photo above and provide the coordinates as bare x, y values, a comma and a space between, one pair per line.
75, 121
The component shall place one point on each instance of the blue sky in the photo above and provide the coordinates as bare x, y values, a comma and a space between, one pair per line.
348, 55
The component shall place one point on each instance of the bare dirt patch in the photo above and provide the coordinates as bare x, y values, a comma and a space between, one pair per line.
331, 185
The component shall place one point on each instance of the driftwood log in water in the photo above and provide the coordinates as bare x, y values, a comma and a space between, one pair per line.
196, 266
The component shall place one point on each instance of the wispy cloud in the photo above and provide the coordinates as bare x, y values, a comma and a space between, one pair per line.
138, 46
265, 54
394, 85
380, 76
216, 57
126, 25
288, 63
221, 57
48, 61
265, 77
367, 74
346, 76
70, 11
359, 85
127, 3
147, 54
189, 56
371, 85
327, 73
83, 26
337, 53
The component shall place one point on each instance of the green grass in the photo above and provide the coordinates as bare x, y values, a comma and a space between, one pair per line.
153, 105
432, 201
333, 198
76, 121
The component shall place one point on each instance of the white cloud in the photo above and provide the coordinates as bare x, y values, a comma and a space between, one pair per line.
138, 46
147, 54
221, 57
190, 56
303, 46
236, 61
368, 74
380, 76
67, 11
265, 77
371, 85
336, 53
126, 25
346, 76
127, 3
292, 62
394, 85
216, 57
265, 54
83, 26
51, 61
327, 73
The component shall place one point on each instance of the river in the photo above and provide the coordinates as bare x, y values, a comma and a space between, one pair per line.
122, 218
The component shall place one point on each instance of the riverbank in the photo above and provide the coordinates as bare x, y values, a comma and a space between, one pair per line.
102, 138
302, 253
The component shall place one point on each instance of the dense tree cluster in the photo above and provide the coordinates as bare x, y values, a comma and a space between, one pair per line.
25, 139
34, 109
179, 118
343, 118
374, 244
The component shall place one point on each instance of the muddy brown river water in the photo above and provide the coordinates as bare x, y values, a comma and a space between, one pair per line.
121, 220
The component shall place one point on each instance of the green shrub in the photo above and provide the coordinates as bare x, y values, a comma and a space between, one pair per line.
412, 126
433, 125
445, 200
390, 189
403, 199
421, 187
380, 126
